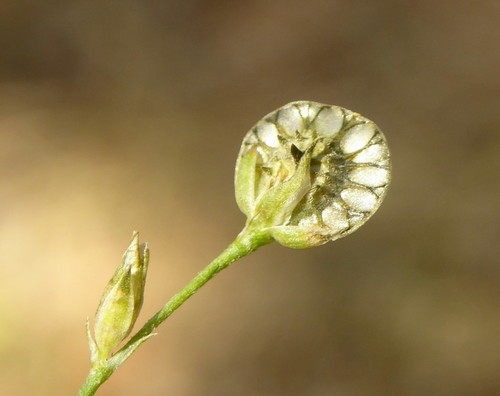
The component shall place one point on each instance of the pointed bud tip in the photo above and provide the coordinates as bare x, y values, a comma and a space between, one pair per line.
135, 238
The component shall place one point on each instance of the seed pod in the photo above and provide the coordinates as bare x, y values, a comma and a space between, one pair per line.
339, 188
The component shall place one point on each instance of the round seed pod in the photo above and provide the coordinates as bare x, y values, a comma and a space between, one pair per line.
347, 177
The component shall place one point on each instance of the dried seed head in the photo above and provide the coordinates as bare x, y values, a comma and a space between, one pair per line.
338, 160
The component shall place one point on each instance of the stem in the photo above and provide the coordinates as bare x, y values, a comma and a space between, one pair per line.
94, 380
246, 242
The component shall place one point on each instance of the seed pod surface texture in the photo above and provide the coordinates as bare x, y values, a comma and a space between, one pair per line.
349, 166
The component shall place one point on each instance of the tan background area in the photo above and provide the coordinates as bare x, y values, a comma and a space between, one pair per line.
126, 115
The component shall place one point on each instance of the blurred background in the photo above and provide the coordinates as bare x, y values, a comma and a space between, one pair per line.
117, 116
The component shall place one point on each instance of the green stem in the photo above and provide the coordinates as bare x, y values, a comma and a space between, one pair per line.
94, 380
246, 242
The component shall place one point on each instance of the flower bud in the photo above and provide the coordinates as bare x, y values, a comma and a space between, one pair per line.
122, 299
308, 173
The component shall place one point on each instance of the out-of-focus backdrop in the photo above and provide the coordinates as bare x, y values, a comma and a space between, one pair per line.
117, 116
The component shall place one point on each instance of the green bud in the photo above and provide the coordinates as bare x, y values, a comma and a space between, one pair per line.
121, 301
308, 173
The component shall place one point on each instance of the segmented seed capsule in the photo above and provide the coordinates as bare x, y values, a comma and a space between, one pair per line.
349, 169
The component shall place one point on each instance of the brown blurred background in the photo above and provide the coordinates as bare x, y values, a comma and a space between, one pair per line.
126, 115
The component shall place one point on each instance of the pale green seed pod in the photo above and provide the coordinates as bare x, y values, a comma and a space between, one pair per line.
122, 299
309, 173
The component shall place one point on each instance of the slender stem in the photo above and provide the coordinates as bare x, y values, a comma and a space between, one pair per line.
94, 380
246, 242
